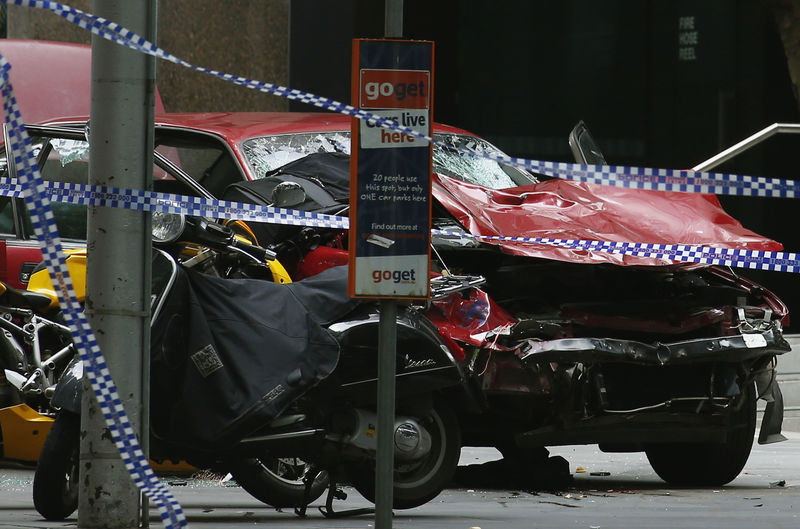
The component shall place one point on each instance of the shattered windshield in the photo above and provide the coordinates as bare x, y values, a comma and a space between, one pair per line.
265, 153
451, 156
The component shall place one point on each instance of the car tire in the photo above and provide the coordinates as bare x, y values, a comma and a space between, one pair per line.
708, 464
277, 481
424, 480
55, 482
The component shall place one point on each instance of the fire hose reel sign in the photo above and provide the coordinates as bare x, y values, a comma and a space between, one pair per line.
390, 200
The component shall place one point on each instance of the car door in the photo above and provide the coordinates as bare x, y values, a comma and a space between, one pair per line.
62, 157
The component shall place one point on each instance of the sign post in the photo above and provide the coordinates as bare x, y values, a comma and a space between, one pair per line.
390, 192
390, 210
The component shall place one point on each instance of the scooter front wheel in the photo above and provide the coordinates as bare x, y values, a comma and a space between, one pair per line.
419, 482
277, 481
55, 482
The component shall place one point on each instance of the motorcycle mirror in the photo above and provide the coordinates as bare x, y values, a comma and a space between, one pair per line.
288, 194
167, 227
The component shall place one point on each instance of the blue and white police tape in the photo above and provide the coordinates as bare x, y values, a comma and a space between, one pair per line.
734, 257
220, 209
152, 201
41, 215
618, 176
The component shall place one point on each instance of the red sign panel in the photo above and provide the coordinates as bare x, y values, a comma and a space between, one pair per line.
394, 89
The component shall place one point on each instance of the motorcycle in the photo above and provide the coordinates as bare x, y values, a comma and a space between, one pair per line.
35, 344
220, 398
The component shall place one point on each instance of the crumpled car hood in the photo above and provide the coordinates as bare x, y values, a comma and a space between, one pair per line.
565, 209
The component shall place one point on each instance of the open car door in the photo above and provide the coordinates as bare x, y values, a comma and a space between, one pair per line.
584, 147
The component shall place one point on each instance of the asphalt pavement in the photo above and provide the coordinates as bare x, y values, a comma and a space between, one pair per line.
607, 491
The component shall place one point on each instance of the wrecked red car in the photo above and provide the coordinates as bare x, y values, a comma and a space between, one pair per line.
574, 346
558, 346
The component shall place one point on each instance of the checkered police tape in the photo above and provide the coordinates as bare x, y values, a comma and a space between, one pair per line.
666, 179
750, 259
152, 201
618, 176
41, 214
220, 209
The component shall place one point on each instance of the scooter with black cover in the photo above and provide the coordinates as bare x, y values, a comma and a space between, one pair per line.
257, 378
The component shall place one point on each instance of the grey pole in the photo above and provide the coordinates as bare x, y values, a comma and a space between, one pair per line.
384, 467
387, 348
118, 280
150, 103
393, 19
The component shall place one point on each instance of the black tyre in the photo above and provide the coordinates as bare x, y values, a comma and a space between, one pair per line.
55, 483
277, 481
418, 483
708, 465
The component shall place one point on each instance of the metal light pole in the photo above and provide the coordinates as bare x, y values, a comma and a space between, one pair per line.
118, 270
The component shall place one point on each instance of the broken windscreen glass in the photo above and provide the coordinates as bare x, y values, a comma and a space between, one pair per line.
463, 157
266, 153
455, 155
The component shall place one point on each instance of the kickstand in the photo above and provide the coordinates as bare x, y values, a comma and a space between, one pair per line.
308, 481
335, 492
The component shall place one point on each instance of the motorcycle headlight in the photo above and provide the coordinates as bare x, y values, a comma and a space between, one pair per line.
167, 227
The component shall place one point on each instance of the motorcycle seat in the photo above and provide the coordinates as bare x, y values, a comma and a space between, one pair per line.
26, 299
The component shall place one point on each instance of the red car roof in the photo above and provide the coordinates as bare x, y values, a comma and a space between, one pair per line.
237, 126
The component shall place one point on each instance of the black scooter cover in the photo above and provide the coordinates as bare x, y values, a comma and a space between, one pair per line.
229, 355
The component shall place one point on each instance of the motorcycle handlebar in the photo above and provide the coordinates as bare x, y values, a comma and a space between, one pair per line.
263, 254
218, 236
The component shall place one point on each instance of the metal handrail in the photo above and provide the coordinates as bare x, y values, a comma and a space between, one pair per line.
758, 137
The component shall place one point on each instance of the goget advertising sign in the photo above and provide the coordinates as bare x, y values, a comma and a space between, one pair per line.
390, 191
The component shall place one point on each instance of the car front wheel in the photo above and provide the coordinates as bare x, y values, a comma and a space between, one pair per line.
708, 464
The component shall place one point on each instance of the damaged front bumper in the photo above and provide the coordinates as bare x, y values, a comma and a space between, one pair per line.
598, 350
626, 392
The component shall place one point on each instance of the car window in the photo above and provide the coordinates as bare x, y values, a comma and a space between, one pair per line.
265, 153
60, 160
6, 206
6, 215
203, 157
450, 156
65, 160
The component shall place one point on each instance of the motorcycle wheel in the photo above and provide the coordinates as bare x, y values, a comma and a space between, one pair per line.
419, 482
708, 464
277, 481
55, 482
